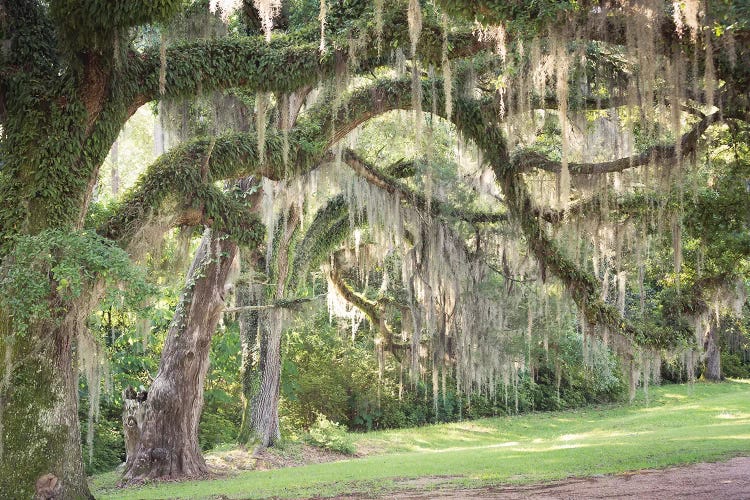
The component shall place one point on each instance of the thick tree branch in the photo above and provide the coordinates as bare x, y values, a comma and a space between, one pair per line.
288, 62
663, 155
372, 310
102, 14
414, 198
235, 155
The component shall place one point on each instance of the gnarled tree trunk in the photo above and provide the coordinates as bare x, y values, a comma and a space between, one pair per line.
133, 416
168, 446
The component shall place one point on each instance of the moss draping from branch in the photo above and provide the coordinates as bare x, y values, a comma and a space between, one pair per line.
662, 155
416, 199
372, 310
235, 155
288, 62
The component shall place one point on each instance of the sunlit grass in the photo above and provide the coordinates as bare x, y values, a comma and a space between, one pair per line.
680, 424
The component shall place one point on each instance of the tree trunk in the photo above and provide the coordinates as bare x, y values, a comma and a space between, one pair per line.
713, 354
168, 446
264, 403
40, 440
247, 295
263, 384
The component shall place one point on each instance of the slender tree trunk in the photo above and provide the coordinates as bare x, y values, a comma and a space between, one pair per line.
247, 295
169, 440
40, 440
713, 354
264, 384
264, 414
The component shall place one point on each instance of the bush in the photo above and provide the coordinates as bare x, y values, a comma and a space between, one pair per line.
330, 436
732, 366
109, 444
214, 430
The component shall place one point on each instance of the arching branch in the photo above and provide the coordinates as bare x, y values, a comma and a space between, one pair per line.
186, 168
414, 198
372, 310
104, 15
288, 62
663, 155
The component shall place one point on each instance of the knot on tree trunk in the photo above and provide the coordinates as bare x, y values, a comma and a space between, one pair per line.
48, 487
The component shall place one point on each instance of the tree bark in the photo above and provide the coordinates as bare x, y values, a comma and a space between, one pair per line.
713, 354
264, 382
39, 431
133, 415
247, 295
264, 402
168, 446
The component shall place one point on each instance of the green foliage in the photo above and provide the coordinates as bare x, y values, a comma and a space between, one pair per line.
329, 435
109, 443
734, 366
45, 273
222, 407
325, 372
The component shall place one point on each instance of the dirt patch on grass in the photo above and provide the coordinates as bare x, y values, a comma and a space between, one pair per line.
302, 455
227, 462
708, 481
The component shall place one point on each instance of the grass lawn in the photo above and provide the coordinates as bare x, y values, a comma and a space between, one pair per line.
681, 424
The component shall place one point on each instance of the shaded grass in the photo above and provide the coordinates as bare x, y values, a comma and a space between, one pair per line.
681, 424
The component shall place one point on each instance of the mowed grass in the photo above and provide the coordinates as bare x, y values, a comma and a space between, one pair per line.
680, 424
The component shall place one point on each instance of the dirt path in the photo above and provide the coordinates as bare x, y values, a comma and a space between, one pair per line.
715, 481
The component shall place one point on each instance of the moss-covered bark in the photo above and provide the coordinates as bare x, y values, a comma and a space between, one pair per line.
38, 412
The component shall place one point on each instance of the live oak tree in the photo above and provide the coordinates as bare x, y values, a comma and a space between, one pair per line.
73, 71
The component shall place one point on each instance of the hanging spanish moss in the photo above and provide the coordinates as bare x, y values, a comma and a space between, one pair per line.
379, 24
92, 362
338, 306
686, 13
414, 17
268, 10
562, 69
262, 103
447, 72
285, 124
709, 78
677, 248
225, 8
7, 368
162, 64
322, 18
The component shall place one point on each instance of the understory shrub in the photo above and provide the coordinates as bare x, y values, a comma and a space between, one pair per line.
330, 436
